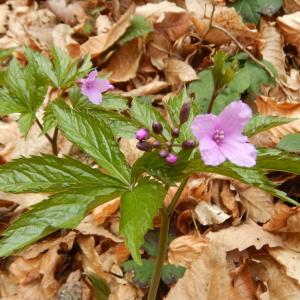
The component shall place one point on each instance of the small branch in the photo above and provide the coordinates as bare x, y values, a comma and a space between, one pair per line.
48, 137
252, 57
212, 100
210, 21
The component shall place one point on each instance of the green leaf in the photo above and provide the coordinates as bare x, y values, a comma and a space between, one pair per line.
171, 273
49, 119
60, 211
61, 61
5, 53
145, 114
114, 102
49, 173
252, 176
100, 287
269, 7
140, 26
138, 208
9, 105
261, 123
26, 120
290, 142
248, 9
95, 138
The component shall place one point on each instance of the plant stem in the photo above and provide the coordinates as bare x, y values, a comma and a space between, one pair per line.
166, 214
212, 100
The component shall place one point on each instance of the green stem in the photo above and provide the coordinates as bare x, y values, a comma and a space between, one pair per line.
166, 214
212, 100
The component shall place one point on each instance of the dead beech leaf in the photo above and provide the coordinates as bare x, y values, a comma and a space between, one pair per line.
191, 244
157, 11
268, 106
4, 14
103, 24
129, 149
201, 279
258, 204
271, 47
229, 200
291, 6
279, 285
103, 211
72, 288
244, 236
178, 71
290, 28
61, 36
209, 214
289, 259
124, 63
125, 291
95, 45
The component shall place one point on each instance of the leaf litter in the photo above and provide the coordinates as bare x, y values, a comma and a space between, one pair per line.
235, 241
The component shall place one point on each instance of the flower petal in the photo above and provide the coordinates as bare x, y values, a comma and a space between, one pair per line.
234, 117
203, 125
92, 75
93, 95
240, 153
102, 85
210, 152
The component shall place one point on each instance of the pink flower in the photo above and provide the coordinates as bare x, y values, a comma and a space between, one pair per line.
220, 137
93, 88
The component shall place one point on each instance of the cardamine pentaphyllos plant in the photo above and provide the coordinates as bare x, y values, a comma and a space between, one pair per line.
191, 139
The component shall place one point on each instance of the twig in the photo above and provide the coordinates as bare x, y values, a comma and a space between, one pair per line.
252, 57
210, 21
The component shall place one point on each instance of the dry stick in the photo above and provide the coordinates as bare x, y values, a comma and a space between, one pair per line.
252, 57
210, 21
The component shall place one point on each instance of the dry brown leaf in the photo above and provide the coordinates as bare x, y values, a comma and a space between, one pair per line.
124, 63
4, 14
61, 35
268, 106
157, 11
271, 47
72, 289
191, 244
279, 285
95, 45
129, 149
229, 200
103, 24
290, 28
289, 259
103, 211
125, 291
209, 214
244, 236
258, 204
201, 279
200, 8
291, 6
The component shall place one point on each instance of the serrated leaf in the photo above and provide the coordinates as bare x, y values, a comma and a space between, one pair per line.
140, 26
290, 142
61, 62
269, 7
95, 138
49, 119
49, 173
100, 287
9, 105
26, 120
248, 9
60, 211
171, 273
144, 199
261, 123
114, 102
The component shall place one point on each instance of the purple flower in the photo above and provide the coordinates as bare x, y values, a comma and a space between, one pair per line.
92, 87
142, 134
221, 136
171, 159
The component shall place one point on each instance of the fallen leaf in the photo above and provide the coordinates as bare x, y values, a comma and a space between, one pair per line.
96, 45
201, 279
4, 14
290, 27
103, 24
244, 236
191, 244
61, 36
128, 147
208, 214
72, 288
291, 6
103, 211
124, 63
229, 200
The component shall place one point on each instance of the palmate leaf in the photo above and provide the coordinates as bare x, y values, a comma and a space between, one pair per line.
95, 138
49, 173
138, 208
63, 210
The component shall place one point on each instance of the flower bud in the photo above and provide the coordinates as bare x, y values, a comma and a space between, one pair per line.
171, 159
163, 153
156, 144
142, 134
184, 112
188, 144
144, 146
157, 127
175, 132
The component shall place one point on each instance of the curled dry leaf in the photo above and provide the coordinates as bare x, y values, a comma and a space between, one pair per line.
229, 200
125, 291
61, 36
177, 71
205, 274
200, 188
128, 147
209, 214
271, 47
268, 106
103, 211
191, 244
4, 15
124, 63
72, 288
244, 236
289, 259
96, 45
290, 28
291, 6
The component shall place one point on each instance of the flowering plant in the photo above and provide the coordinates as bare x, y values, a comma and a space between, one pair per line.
191, 141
